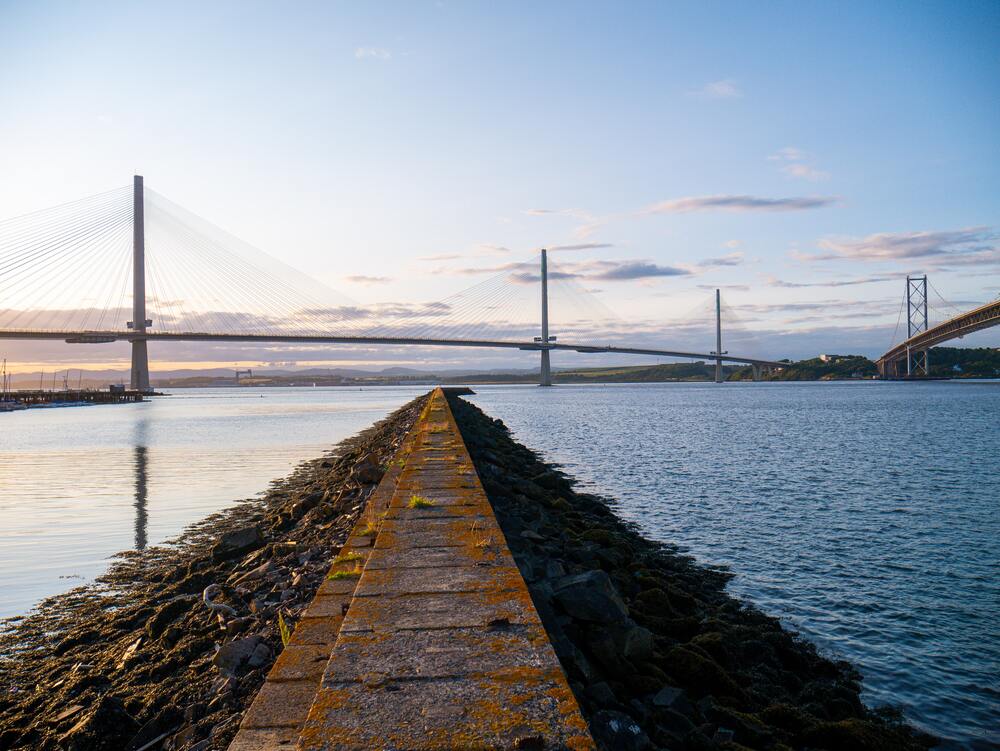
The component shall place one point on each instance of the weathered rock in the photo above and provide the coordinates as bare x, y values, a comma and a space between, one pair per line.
106, 727
367, 471
616, 731
671, 697
236, 543
635, 642
232, 655
554, 570
601, 694
167, 613
165, 722
260, 655
590, 597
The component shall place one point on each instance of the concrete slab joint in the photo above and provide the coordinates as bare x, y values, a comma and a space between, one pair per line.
440, 646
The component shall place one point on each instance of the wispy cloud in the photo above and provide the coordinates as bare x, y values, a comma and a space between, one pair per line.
971, 246
612, 271
734, 287
590, 223
581, 246
364, 279
372, 53
480, 251
377, 311
723, 89
730, 259
738, 203
794, 164
805, 172
487, 249
625, 270
772, 281
441, 257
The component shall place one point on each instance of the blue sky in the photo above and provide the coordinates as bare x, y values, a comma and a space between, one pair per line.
758, 147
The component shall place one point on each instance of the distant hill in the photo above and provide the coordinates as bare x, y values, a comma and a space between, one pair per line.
945, 362
959, 362
825, 368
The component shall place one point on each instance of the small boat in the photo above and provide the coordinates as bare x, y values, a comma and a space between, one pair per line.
7, 401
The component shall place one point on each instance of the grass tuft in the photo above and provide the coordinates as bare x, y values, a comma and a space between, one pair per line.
286, 633
352, 574
418, 501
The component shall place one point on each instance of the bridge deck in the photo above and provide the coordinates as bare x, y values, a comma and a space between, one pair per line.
440, 646
106, 337
966, 323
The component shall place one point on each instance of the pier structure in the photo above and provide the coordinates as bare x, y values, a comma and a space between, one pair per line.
423, 635
38, 398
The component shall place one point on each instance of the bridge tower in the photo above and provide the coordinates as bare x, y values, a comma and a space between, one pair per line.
546, 369
139, 378
916, 321
718, 337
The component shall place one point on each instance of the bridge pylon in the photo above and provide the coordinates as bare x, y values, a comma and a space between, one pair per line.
139, 375
545, 373
718, 338
916, 322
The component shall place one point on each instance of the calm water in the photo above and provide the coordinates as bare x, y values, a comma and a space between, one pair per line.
865, 514
78, 484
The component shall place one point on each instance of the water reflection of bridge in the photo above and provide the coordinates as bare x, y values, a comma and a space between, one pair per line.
140, 463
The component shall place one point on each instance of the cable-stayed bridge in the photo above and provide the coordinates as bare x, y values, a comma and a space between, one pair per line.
102, 245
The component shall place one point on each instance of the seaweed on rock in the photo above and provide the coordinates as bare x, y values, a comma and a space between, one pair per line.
139, 660
658, 654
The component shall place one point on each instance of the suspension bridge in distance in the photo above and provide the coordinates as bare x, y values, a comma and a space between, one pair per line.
909, 358
140, 330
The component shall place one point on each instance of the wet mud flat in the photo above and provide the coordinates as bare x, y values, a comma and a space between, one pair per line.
168, 650
169, 647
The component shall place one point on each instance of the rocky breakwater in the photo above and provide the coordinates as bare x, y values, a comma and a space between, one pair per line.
171, 646
658, 654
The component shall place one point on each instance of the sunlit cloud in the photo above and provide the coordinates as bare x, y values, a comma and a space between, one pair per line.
480, 251
733, 287
739, 203
730, 259
772, 281
581, 246
971, 246
365, 279
723, 89
372, 53
793, 163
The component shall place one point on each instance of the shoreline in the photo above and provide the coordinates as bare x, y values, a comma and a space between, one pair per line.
692, 666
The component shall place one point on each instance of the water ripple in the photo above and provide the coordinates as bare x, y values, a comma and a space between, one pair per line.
865, 515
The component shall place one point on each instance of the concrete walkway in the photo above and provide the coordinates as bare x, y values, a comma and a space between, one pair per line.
431, 636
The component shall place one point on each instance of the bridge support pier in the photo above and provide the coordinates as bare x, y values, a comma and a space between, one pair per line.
756, 371
139, 377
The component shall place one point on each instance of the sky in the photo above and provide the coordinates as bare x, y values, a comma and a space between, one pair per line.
804, 157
